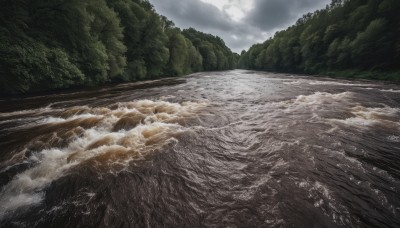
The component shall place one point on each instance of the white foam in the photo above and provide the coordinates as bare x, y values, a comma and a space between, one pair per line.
313, 104
24, 189
371, 116
98, 142
167, 97
339, 83
317, 98
390, 90
321, 98
297, 82
28, 111
394, 138
323, 197
17, 201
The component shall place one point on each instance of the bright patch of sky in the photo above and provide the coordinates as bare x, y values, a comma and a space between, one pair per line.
236, 9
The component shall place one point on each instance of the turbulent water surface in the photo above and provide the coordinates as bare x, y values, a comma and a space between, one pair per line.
228, 149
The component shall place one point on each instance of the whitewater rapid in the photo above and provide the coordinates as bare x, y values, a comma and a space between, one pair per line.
227, 149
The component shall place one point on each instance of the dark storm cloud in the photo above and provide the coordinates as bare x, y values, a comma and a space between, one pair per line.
206, 18
194, 13
262, 21
273, 14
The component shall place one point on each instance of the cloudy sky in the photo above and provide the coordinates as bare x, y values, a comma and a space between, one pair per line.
240, 23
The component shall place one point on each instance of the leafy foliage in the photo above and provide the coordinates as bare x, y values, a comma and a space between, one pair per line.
215, 54
357, 35
52, 44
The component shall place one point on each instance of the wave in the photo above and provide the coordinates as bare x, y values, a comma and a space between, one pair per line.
390, 90
340, 83
108, 137
363, 116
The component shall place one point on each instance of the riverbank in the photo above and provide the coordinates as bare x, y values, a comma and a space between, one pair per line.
379, 76
11, 102
393, 76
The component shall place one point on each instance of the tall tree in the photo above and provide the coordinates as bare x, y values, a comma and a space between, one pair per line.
346, 35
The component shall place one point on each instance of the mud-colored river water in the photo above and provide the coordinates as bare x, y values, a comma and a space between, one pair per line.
226, 149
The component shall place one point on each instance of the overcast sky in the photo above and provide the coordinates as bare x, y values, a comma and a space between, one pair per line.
240, 23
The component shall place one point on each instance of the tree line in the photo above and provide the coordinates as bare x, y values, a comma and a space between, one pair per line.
345, 38
53, 44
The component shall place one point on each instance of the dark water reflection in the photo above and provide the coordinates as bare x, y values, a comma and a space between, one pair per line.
228, 149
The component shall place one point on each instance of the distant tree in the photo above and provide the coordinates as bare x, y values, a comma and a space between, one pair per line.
214, 53
177, 53
347, 34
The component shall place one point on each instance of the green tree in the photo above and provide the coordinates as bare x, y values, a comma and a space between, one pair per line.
371, 47
346, 35
178, 53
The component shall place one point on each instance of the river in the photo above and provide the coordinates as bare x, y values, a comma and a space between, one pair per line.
219, 149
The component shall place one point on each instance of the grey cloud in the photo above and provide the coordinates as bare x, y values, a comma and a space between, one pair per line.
261, 22
273, 14
194, 13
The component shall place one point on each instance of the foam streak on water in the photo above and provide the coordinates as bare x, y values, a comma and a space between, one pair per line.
227, 149
114, 135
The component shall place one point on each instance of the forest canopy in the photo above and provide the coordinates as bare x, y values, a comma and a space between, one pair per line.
53, 44
56, 44
346, 36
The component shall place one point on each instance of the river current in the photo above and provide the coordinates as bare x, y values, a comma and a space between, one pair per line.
224, 149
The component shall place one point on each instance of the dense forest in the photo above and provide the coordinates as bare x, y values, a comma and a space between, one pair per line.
53, 44
350, 38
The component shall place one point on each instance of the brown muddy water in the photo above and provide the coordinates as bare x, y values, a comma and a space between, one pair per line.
227, 149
